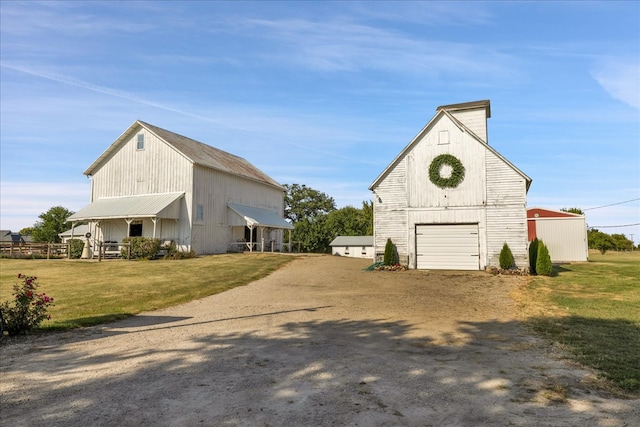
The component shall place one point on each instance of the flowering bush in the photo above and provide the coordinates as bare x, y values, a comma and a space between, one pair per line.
29, 308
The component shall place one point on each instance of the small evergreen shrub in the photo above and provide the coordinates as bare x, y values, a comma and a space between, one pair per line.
141, 248
506, 258
390, 253
75, 248
172, 252
533, 255
543, 262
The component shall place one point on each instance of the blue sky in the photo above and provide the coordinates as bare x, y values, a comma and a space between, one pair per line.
323, 93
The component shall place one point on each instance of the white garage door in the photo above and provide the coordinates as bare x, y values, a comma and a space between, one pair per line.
447, 247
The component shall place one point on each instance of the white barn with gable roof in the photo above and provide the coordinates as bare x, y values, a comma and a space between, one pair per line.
449, 200
155, 183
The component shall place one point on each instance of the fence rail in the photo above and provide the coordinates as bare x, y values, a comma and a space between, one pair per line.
58, 250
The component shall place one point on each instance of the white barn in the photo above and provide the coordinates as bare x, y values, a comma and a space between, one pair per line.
154, 183
449, 200
353, 246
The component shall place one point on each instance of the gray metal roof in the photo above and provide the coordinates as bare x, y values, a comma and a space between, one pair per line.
199, 153
78, 230
147, 206
352, 241
259, 216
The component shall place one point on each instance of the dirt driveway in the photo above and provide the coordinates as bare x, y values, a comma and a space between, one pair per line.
318, 343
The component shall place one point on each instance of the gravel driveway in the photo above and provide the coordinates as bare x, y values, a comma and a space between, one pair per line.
320, 342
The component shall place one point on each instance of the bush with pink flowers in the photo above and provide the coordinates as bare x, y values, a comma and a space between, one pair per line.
29, 309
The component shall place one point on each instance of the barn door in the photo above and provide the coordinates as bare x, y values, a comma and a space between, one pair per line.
447, 247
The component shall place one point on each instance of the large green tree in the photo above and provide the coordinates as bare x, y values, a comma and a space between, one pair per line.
573, 210
347, 221
302, 202
52, 222
308, 210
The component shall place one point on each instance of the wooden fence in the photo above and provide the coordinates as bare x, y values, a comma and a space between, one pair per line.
62, 250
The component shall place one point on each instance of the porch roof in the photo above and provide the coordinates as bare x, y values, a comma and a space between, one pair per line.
147, 206
259, 216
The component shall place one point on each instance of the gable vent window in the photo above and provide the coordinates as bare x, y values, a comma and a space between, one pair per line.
140, 145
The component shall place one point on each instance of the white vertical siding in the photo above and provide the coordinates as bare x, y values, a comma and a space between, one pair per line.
422, 193
475, 120
566, 238
390, 212
506, 211
214, 189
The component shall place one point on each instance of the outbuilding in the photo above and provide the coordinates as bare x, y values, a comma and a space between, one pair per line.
449, 200
353, 246
563, 233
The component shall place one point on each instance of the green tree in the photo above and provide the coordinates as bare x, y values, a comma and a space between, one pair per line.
390, 257
347, 221
600, 241
506, 257
621, 242
573, 210
302, 202
367, 213
308, 210
27, 231
543, 261
53, 222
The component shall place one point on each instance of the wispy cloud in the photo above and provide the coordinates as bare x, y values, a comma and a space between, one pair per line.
620, 77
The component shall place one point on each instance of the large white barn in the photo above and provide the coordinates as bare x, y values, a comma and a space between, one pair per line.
449, 200
154, 183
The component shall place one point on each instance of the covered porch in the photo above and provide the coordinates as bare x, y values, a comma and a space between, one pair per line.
257, 229
115, 218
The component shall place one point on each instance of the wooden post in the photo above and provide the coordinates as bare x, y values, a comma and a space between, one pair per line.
48, 250
100, 251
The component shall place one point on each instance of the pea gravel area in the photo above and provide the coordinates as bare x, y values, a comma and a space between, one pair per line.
320, 342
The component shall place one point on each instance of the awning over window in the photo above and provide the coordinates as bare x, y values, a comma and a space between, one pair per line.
149, 206
259, 217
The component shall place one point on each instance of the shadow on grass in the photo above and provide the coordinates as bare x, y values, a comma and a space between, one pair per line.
611, 346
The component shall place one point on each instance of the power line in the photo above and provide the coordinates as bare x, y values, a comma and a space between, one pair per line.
614, 226
612, 204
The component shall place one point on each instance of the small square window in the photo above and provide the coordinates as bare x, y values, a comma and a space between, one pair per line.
140, 145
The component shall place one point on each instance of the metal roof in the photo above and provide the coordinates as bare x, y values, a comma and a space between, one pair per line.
197, 152
147, 206
352, 241
260, 216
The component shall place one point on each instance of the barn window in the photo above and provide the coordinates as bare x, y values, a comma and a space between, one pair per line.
443, 137
199, 213
135, 229
346, 250
140, 145
364, 250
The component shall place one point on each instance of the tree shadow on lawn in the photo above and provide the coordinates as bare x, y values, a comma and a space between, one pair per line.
307, 373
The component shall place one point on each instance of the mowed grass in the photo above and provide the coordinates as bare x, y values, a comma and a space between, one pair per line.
89, 293
592, 310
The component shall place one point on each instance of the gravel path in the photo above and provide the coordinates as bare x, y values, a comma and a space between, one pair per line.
318, 343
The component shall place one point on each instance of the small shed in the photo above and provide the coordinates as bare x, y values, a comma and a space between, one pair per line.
353, 246
563, 233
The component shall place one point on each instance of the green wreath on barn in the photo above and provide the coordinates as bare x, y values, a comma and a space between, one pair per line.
457, 171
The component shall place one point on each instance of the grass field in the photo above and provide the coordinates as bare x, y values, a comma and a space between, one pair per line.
592, 311
88, 293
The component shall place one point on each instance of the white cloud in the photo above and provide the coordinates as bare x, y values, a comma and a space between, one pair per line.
21, 203
620, 77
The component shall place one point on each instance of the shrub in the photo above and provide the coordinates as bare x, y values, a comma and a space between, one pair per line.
75, 248
543, 261
141, 248
28, 310
172, 252
506, 258
390, 253
533, 255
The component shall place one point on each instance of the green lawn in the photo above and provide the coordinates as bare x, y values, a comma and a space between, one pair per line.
592, 310
88, 292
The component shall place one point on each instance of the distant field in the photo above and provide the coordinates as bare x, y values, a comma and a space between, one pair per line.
88, 292
592, 310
